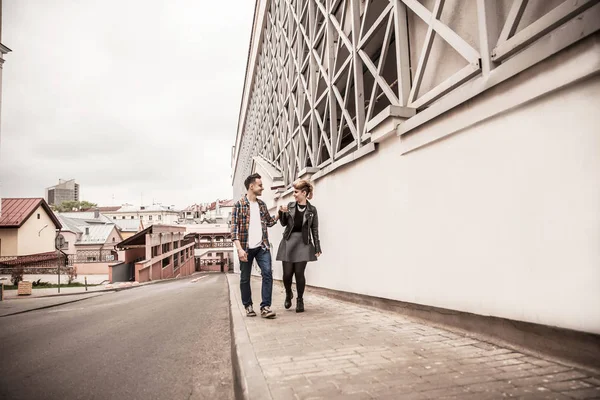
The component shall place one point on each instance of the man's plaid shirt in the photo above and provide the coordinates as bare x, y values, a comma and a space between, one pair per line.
240, 222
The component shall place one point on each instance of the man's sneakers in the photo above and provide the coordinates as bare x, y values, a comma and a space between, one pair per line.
250, 311
266, 312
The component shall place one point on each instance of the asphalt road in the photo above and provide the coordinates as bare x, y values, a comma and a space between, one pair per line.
164, 341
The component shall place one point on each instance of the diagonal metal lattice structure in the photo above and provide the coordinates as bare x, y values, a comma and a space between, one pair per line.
328, 70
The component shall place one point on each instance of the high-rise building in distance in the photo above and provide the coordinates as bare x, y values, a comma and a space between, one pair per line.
64, 191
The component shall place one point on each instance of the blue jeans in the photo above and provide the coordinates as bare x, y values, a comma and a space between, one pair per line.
263, 259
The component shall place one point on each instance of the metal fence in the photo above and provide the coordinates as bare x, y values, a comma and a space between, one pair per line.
93, 256
211, 245
38, 263
49, 262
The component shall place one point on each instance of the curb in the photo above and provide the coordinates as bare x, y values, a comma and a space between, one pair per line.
48, 306
81, 293
67, 294
114, 289
248, 379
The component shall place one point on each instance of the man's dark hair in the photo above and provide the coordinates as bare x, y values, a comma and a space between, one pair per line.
250, 180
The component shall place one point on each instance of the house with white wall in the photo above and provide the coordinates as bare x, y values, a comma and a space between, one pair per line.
148, 214
27, 226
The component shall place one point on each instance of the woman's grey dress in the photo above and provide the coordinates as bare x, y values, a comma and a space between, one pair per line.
294, 250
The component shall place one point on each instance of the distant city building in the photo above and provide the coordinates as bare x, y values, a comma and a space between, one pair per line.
193, 213
209, 223
90, 240
214, 248
157, 252
217, 212
97, 215
129, 227
155, 214
64, 191
220, 211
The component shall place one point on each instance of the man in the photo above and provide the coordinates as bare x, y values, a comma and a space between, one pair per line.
249, 223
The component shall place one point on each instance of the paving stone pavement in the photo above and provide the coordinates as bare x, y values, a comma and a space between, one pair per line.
339, 350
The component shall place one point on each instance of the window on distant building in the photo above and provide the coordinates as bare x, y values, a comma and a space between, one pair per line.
39, 216
113, 240
166, 261
141, 217
159, 217
132, 217
150, 217
123, 217
114, 217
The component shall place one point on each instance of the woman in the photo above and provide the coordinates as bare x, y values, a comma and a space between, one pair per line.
300, 243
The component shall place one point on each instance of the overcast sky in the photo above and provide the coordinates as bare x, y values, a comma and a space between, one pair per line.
132, 98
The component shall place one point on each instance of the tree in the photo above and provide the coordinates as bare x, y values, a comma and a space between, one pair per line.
16, 275
71, 273
67, 206
84, 205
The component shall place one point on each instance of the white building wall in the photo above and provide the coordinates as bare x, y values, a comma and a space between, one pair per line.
488, 201
70, 240
166, 218
501, 219
37, 235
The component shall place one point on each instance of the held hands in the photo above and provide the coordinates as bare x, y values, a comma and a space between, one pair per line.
318, 255
283, 209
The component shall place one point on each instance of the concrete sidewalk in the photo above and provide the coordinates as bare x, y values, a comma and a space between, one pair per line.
339, 350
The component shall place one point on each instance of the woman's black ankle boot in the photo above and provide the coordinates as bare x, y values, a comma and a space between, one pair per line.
288, 299
300, 305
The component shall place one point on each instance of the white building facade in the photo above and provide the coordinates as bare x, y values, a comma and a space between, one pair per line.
155, 214
474, 127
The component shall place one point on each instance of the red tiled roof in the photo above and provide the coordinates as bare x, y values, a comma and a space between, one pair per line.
222, 203
194, 207
210, 206
16, 211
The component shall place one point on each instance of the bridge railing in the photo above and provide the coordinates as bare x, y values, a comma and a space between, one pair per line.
214, 245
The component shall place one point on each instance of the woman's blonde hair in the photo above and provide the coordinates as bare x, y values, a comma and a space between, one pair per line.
305, 186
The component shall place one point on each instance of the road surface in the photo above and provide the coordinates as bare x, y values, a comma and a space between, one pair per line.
164, 341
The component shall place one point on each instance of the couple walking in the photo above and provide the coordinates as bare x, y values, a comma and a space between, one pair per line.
299, 245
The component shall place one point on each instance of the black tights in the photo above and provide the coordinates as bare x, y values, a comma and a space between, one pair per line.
289, 269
